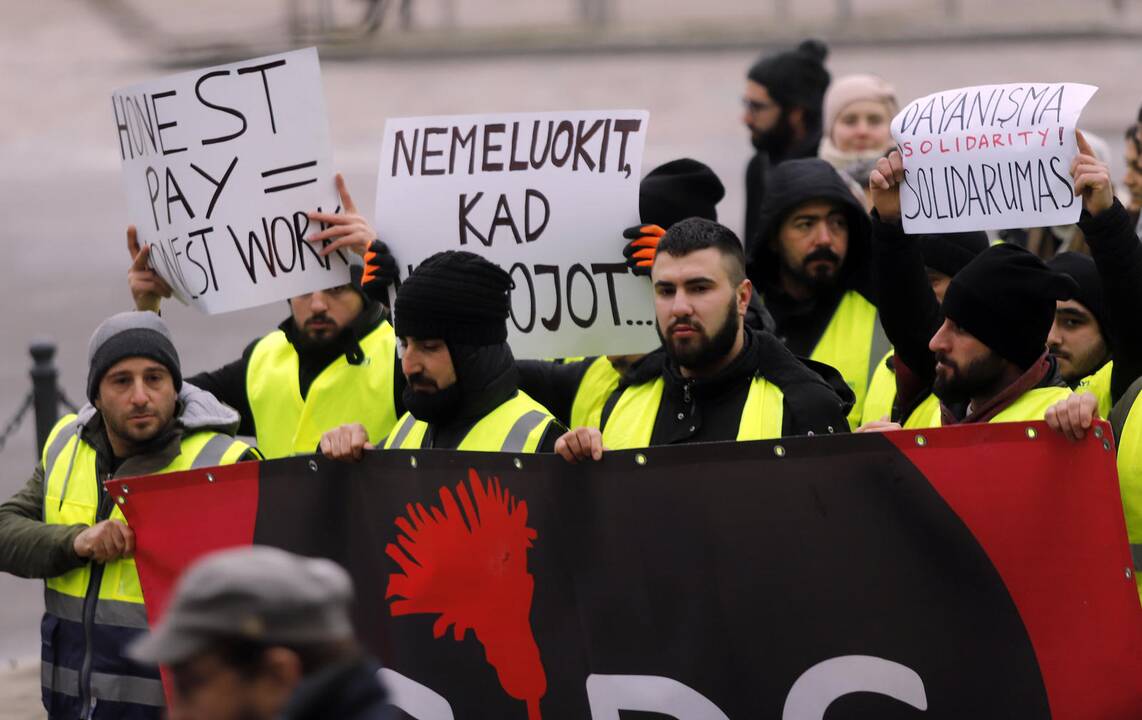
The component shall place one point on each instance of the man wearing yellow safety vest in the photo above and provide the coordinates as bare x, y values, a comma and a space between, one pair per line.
810, 263
714, 378
462, 388
332, 361
1074, 415
63, 526
1085, 328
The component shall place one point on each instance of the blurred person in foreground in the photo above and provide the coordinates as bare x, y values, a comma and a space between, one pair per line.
257, 633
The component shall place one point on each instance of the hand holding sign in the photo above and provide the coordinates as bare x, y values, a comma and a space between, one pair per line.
147, 287
348, 228
884, 181
1092, 178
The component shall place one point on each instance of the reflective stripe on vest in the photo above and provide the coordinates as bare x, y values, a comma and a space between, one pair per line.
600, 380
517, 425
631, 422
1129, 434
1031, 405
71, 497
852, 343
881, 394
342, 393
113, 688
1098, 384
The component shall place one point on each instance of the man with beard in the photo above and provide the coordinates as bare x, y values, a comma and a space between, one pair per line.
63, 526
714, 378
462, 388
783, 97
332, 361
810, 263
1086, 327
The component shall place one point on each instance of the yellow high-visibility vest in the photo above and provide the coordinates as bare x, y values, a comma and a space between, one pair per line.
288, 424
852, 343
517, 426
600, 380
631, 422
1031, 405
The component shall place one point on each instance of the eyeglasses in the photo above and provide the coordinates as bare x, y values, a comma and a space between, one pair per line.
753, 107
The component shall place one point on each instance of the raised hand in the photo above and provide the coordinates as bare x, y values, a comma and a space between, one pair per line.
147, 287
347, 229
884, 182
642, 248
1092, 178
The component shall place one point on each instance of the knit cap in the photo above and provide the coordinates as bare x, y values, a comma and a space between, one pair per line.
849, 89
677, 190
456, 296
796, 78
950, 252
130, 334
1082, 270
1006, 297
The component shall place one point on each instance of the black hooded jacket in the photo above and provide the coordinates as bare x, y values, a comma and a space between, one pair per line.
757, 174
486, 377
816, 399
800, 324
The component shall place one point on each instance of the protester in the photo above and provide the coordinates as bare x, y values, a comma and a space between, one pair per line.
1085, 328
576, 389
714, 378
858, 112
943, 255
783, 95
332, 361
141, 419
462, 390
257, 633
1132, 180
811, 264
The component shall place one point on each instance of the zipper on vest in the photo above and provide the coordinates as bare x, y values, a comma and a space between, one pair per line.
86, 701
686, 394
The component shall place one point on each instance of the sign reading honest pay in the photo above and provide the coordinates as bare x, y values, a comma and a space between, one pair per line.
221, 167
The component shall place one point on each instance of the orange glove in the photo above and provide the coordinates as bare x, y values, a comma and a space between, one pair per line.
643, 246
380, 271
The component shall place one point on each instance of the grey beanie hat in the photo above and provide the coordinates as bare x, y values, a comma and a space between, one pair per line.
258, 593
130, 334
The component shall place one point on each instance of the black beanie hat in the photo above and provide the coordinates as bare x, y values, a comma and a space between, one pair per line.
950, 252
1083, 271
677, 190
795, 77
456, 296
1005, 297
125, 335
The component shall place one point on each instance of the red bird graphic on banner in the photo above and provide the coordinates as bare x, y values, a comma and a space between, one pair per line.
467, 563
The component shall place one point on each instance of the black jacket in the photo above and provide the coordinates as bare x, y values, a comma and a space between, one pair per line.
228, 383
710, 410
347, 691
486, 377
911, 315
800, 324
757, 175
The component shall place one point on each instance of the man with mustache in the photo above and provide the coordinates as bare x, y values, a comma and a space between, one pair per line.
714, 378
331, 362
462, 388
782, 110
1085, 327
63, 527
810, 263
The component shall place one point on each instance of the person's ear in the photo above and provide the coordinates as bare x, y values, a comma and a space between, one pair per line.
744, 293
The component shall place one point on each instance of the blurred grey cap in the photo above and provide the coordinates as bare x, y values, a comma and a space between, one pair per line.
255, 593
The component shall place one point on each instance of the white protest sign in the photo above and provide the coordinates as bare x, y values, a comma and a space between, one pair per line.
220, 167
545, 196
990, 157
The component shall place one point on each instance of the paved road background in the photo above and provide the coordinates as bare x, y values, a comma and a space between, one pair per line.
62, 250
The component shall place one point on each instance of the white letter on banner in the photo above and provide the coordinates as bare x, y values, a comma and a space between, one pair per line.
608, 694
826, 681
420, 702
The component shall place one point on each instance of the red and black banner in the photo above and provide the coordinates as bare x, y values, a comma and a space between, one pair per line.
973, 572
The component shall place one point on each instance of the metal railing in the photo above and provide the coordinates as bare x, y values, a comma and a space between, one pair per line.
44, 398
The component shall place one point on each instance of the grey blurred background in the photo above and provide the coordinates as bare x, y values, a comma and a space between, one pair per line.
64, 261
